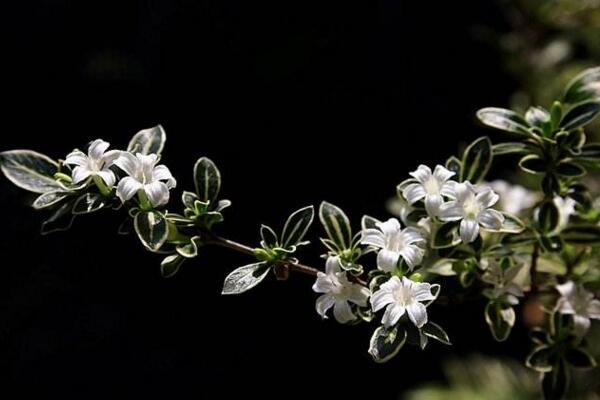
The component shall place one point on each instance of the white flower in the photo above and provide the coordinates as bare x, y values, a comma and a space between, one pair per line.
503, 281
338, 291
472, 209
144, 175
403, 296
580, 303
513, 198
96, 163
430, 186
394, 243
566, 208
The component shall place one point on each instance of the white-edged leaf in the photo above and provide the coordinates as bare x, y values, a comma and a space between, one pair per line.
368, 222
152, 229
49, 199
61, 219
336, 224
476, 160
148, 141
207, 179
436, 332
503, 119
245, 278
296, 226
88, 203
170, 265
269, 237
30, 170
386, 343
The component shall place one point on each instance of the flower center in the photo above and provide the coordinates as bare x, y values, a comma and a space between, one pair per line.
395, 241
403, 296
432, 186
471, 208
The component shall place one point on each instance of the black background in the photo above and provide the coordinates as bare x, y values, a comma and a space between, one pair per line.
296, 101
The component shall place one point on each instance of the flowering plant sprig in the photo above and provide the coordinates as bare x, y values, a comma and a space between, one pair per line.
502, 242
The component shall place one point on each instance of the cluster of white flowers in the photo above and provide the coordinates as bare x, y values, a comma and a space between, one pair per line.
578, 302
144, 176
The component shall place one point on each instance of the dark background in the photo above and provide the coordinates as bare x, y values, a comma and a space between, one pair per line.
296, 101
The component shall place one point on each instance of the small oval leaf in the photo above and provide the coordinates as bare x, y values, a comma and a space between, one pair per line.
336, 225
503, 119
386, 343
207, 179
30, 170
148, 141
152, 229
296, 226
477, 160
245, 278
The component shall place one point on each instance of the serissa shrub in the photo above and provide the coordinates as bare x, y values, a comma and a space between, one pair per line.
499, 240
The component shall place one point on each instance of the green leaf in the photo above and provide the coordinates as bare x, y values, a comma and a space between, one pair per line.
245, 278
189, 199
269, 237
436, 332
453, 164
368, 222
511, 148
556, 382
446, 236
590, 153
476, 160
386, 343
580, 115
503, 119
500, 319
30, 170
49, 199
570, 170
170, 265
541, 359
296, 226
151, 227
207, 179
550, 184
581, 234
580, 358
61, 220
190, 249
88, 203
511, 224
537, 116
583, 87
148, 141
533, 164
548, 216
336, 224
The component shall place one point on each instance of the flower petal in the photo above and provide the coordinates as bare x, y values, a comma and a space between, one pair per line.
389, 227
567, 289
80, 174
373, 237
97, 149
127, 188
157, 192
593, 309
129, 163
381, 298
392, 314
108, 177
463, 190
469, 229
422, 173
387, 260
324, 303
414, 192
442, 174
417, 313
451, 211
582, 324
77, 157
412, 235
332, 265
433, 203
110, 156
412, 255
162, 173
449, 189
342, 312
359, 295
422, 292
487, 198
491, 219
322, 284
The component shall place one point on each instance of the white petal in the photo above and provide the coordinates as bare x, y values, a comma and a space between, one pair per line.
80, 174
157, 192
387, 260
324, 303
491, 219
110, 156
380, 299
412, 255
422, 292
469, 229
373, 237
359, 295
412, 235
322, 284
389, 227
414, 192
451, 211
342, 312
77, 157
487, 198
97, 149
127, 188
582, 324
462, 191
128, 163
448, 189
392, 314
332, 265
565, 307
417, 314
391, 284
108, 177
433, 203
593, 309
422, 173
567, 289
162, 173
442, 174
